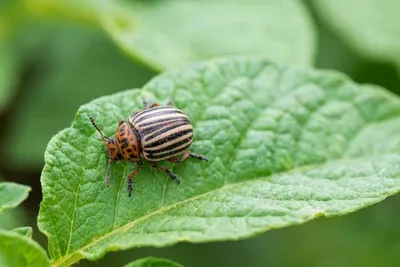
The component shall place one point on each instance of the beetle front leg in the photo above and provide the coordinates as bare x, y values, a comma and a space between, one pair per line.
187, 154
130, 177
167, 171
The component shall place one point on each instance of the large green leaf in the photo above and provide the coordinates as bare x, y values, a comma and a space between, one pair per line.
12, 194
153, 262
366, 238
370, 27
17, 250
76, 65
286, 145
168, 34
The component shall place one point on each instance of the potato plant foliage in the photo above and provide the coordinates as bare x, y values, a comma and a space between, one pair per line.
286, 145
16, 246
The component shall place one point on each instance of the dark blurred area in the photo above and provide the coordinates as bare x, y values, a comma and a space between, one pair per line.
63, 65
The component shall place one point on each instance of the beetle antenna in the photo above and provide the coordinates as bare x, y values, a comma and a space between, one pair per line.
98, 129
145, 103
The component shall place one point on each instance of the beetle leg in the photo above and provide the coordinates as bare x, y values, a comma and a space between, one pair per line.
198, 156
130, 177
185, 156
188, 154
167, 171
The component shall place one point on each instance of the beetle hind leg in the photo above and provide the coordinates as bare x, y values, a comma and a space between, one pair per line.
170, 174
187, 154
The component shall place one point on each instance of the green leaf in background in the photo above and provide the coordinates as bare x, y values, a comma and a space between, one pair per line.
74, 65
17, 250
88, 11
370, 27
12, 194
286, 146
11, 218
153, 262
8, 72
25, 231
169, 34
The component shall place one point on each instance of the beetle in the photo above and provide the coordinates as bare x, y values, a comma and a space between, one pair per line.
154, 134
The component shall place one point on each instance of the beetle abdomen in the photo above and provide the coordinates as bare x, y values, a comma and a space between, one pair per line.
165, 132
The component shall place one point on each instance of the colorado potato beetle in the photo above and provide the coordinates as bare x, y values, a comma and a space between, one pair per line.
154, 134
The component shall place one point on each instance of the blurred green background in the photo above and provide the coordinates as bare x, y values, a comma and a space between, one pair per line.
56, 57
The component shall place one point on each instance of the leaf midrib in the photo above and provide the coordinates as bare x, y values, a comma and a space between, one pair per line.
76, 256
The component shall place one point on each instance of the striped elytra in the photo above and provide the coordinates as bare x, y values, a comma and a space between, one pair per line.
154, 134
165, 132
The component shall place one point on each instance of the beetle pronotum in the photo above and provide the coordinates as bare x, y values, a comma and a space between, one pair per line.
155, 133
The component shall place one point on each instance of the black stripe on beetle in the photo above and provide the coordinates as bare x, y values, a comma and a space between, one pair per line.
157, 157
162, 121
168, 139
168, 131
150, 114
171, 145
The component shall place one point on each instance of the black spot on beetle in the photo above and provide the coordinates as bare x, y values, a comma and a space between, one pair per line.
118, 157
132, 156
125, 143
129, 150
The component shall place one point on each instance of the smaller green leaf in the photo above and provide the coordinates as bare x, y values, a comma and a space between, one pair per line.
17, 250
10, 219
153, 262
12, 194
170, 34
25, 231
